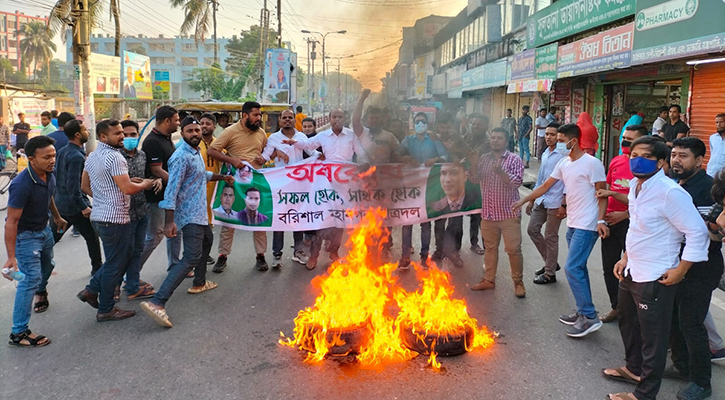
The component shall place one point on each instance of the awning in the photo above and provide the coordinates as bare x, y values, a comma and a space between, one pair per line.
533, 85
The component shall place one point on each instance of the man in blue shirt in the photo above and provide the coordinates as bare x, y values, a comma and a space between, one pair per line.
72, 203
185, 205
415, 150
548, 209
60, 138
28, 239
526, 124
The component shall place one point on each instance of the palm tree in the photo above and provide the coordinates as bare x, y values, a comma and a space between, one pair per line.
37, 45
198, 16
60, 16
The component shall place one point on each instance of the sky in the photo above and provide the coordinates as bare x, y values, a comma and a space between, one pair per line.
370, 25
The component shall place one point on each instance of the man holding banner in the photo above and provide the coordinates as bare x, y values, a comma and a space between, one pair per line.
243, 142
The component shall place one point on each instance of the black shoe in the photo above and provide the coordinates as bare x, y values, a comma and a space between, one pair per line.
261, 263
543, 279
221, 263
542, 270
694, 392
437, 257
209, 260
674, 373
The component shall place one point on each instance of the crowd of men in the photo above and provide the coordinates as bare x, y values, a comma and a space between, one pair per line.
655, 192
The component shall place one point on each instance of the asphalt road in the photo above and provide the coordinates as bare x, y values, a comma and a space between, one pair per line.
224, 343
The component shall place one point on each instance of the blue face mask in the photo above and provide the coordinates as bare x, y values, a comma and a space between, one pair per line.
421, 127
561, 148
642, 166
130, 143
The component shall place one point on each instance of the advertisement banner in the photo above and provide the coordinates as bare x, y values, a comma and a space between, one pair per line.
487, 75
568, 17
546, 61
32, 108
455, 82
523, 66
421, 79
604, 51
277, 76
533, 85
314, 195
161, 82
105, 72
137, 72
677, 29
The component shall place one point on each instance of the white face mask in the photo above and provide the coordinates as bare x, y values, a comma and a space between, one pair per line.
421, 127
561, 148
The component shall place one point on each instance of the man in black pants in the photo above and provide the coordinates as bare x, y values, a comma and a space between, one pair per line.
690, 350
618, 177
661, 213
72, 203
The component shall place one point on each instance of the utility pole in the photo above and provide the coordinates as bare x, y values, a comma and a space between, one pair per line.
82, 91
214, 7
313, 56
279, 23
264, 39
339, 87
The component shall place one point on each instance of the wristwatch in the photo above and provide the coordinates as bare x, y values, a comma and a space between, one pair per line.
601, 221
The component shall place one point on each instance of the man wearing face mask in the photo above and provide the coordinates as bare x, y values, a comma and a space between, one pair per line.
72, 203
547, 209
617, 217
415, 150
661, 213
689, 342
582, 175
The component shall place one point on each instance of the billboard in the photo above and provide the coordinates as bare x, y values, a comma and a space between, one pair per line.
604, 51
161, 82
105, 77
136, 72
277, 76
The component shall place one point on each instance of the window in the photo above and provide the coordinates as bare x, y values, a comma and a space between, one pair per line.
3, 24
188, 61
156, 47
157, 60
209, 48
94, 47
109, 47
188, 47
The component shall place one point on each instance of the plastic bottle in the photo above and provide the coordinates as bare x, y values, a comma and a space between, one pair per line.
15, 275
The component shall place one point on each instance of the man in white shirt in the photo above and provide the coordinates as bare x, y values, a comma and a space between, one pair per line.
286, 155
717, 147
661, 214
339, 144
660, 121
582, 175
541, 124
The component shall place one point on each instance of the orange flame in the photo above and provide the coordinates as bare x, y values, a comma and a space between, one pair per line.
354, 296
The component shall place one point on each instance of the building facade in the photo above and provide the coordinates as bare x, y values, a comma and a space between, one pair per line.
10, 24
178, 55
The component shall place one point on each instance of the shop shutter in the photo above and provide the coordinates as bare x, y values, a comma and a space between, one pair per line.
708, 100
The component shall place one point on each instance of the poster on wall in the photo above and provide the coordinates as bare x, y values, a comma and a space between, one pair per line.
32, 108
105, 77
137, 74
604, 51
277, 76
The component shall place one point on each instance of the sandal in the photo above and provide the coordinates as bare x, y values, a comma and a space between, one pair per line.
621, 396
143, 293
623, 375
208, 285
41, 306
38, 341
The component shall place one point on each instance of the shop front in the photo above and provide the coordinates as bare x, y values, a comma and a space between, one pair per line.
483, 89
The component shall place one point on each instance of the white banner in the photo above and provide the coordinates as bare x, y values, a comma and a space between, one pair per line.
105, 74
32, 108
313, 195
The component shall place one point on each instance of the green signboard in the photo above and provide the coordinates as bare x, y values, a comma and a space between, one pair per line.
677, 29
568, 17
546, 61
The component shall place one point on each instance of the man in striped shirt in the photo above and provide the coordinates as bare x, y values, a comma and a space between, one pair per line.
500, 174
106, 179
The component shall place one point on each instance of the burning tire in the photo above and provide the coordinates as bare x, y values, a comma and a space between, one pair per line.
445, 345
341, 341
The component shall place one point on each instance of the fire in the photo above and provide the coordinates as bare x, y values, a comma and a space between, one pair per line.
350, 314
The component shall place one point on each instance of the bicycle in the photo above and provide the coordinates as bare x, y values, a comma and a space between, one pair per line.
6, 177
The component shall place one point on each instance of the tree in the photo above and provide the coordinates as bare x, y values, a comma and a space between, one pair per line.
243, 50
199, 15
137, 48
214, 83
37, 45
116, 15
60, 17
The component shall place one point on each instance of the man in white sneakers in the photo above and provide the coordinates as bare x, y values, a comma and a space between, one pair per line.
582, 175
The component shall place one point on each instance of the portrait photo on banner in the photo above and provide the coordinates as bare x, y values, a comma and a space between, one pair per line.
448, 191
248, 202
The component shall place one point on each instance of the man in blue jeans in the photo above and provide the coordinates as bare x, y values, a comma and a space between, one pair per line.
28, 239
106, 179
582, 175
185, 205
526, 124
415, 150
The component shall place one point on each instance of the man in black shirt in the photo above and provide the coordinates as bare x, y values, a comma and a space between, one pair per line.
21, 130
690, 350
675, 128
159, 147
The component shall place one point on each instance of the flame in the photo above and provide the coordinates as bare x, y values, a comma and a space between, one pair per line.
355, 294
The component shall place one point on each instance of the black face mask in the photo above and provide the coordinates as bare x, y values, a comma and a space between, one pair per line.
626, 143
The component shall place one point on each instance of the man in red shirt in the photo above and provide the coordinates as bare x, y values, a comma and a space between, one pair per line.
617, 215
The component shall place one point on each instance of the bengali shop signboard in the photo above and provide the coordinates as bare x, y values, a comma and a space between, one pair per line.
486, 76
314, 195
545, 67
677, 29
601, 52
523, 66
568, 17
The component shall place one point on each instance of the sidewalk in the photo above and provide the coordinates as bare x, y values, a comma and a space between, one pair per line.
531, 173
